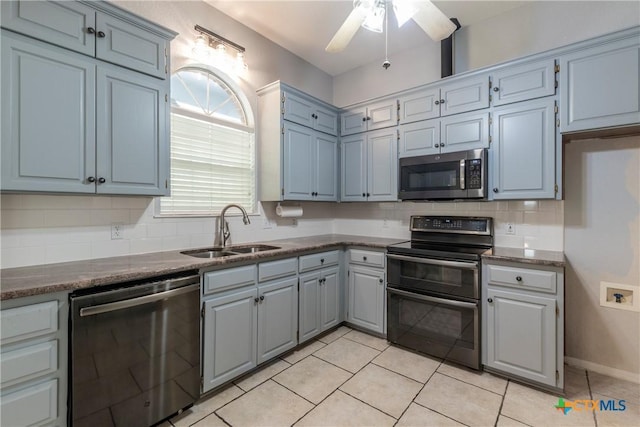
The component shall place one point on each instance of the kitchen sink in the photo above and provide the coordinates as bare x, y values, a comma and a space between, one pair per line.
252, 249
209, 253
220, 252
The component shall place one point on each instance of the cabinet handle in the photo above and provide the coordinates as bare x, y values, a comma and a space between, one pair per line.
442, 144
496, 89
518, 279
364, 119
495, 190
364, 194
437, 102
261, 297
321, 260
91, 179
490, 300
368, 195
368, 118
437, 145
101, 34
442, 101
101, 180
380, 280
364, 258
256, 299
91, 30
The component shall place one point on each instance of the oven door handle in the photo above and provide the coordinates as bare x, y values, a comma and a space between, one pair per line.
459, 264
127, 303
433, 299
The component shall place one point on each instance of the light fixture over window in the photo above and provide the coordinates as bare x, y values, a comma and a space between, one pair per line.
221, 57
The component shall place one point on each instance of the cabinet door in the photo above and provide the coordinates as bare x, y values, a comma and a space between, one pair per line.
131, 46
298, 110
277, 318
330, 298
420, 138
48, 120
326, 168
132, 149
353, 169
418, 106
309, 306
464, 132
63, 23
299, 143
523, 153
524, 82
366, 298
464, 95
599, 86
521, 335
34, 405
353, 121
382, 162
382, 114
326, 121
229, 337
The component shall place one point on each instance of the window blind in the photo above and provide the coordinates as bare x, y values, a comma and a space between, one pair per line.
212, 165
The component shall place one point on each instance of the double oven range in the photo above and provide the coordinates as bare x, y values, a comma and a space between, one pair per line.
433, 287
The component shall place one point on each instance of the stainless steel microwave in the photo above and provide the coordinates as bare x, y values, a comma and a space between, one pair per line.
448, 176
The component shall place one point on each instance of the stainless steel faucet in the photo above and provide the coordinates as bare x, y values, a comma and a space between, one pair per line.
223, 230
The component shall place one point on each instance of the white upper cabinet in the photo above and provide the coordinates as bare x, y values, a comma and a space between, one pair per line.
91, 30
599, 86
308, 113
297, 146
523, 151
373, 116
464, 95
523, 82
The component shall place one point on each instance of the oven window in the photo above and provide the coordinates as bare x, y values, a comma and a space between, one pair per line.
441, 279
437, 176
435, 328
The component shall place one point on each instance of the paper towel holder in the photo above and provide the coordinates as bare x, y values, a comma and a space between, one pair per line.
288, 211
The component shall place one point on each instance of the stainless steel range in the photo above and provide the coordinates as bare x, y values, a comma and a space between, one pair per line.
433, 287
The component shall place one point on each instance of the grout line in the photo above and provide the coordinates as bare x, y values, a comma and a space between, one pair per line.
471, 384
366, 345
440, 413
518, 421
398, 373
586, 374
501, 404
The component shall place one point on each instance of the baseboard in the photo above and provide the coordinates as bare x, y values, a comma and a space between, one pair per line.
604, 370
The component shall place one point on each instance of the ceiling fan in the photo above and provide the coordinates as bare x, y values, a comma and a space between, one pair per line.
370, 14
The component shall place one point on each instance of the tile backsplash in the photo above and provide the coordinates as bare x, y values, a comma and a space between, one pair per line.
43, 229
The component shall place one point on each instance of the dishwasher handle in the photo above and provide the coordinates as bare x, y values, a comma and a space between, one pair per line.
127, 303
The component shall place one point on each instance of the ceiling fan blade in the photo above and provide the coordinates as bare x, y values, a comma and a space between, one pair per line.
348, 29
431, 19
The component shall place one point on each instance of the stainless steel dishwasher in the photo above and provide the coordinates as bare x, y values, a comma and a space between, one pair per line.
134, 351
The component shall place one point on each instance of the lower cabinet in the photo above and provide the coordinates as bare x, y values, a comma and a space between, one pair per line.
33, 361
320, 293
366, 307
523, 322
246, 326
319, 302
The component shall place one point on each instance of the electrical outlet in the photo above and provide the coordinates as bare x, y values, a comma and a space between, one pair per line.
266, 224
117, 231
510, 229
294, 222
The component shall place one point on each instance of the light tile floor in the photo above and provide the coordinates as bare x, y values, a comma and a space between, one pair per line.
349, 378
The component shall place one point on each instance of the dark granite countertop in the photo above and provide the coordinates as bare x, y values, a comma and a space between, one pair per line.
527, 256
67, 276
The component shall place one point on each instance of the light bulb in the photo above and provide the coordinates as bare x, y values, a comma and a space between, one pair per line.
201, 48
375, 19
404, 10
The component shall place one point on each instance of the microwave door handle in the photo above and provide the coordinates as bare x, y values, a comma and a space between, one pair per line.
462, 173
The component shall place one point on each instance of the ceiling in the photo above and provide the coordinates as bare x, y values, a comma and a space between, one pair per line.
305, 27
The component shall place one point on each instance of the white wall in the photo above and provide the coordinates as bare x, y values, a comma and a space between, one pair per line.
602, 243
535, 27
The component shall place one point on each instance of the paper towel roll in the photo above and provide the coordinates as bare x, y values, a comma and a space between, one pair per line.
288, 211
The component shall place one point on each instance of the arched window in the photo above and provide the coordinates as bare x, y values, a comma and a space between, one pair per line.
212, 145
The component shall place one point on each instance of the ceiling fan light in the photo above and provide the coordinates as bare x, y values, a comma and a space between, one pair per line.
375, 19
404, 10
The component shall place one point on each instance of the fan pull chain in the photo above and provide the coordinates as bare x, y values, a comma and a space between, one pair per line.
386, 64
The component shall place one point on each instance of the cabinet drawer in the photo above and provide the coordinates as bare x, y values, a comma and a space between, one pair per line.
371, 258
323, 259
29, 362
216, 281
37, 405
523, 278
274, 269
30, 321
